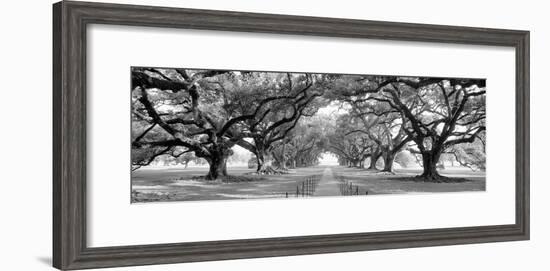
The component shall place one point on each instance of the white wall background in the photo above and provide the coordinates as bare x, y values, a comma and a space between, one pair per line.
25, 136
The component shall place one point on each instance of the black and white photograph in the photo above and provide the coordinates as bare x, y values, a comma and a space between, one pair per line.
212, 134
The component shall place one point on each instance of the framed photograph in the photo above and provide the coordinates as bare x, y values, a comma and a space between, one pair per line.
186, 135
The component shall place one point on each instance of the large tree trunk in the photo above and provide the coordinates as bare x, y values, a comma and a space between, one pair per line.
282, 164
265, 162
282, 160
373, 160
259, 161
429, 162
389, 157
291, 163
218, 167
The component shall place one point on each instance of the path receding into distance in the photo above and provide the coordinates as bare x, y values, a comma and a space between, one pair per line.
328, 185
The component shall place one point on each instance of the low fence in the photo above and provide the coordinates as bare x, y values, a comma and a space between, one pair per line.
347, 188
306, 188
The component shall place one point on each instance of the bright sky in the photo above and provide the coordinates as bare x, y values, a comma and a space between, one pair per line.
328, 159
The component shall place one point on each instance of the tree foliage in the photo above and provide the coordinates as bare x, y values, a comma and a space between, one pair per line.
183, 114
208, 112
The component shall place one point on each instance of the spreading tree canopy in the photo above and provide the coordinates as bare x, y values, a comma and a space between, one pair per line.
189, 114
208, 112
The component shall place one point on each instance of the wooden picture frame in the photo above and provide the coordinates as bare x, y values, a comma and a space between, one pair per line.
70, 20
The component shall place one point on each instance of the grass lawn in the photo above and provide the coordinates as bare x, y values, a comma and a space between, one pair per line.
384, 183
178, 184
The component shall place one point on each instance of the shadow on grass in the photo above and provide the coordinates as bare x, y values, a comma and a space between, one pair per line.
439, 179
227, 179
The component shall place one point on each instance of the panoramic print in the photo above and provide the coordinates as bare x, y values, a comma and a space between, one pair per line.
202, 134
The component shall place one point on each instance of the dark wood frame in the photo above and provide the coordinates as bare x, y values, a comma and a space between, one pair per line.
69, 134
